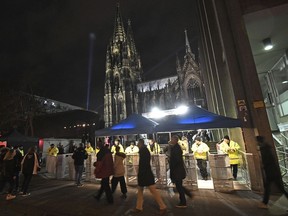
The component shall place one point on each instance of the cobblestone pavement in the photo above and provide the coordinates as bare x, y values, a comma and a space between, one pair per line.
50, 197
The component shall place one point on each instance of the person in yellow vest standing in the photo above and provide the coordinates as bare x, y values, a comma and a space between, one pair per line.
89, 149
51, 159
200, 150
117, 143
232, 149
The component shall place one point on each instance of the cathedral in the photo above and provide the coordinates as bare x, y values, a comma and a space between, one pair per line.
125, 93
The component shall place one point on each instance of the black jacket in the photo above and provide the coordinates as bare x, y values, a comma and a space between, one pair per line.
145, 175
177, 169
79, 156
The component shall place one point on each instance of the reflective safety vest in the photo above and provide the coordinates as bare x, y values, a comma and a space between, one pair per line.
200, 151
232, 150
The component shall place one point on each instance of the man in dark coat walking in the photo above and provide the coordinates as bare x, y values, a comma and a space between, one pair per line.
79, 156
146, 179
177, 171
270, 169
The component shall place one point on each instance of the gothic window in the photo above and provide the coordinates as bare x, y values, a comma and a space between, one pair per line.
193, 90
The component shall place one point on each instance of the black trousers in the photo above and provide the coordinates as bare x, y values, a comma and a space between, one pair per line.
10, 180
105, 187
114, 183
182, 191
26, 182
202, 164
234, 168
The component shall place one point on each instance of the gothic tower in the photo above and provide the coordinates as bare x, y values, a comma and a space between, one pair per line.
191, 84
123, 72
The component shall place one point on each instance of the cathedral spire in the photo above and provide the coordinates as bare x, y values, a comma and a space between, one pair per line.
119, 32
187, 45
130, 38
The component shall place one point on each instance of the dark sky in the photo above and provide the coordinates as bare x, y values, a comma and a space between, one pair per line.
44, 44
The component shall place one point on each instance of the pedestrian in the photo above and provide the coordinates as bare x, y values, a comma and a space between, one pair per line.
79, 156
200, 150
145, 178
178, 172
270, 171
29, 167
104, 169
18, 159
8, 173
232, 149
119, 171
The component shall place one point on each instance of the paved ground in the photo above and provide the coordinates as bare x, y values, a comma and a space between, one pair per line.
50, 197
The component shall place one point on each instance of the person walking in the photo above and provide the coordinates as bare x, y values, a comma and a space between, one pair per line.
178, 172
8, 173
29, 167
104, 169
145, 178
270, 171
79, 156
200, 150
18, 159
119, 171
232, 149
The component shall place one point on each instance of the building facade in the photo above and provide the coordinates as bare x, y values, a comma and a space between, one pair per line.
125, 93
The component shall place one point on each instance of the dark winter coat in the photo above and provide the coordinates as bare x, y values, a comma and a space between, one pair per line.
79, 156
268, 162
177, 169
9, 168
104, 166
28, 164
145, 175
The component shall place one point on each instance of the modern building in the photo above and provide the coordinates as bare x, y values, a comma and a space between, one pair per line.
243, 79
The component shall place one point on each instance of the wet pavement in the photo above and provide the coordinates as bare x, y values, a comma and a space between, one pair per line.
51, 197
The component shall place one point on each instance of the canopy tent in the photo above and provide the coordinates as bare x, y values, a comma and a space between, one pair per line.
15, 138
195, 118
133, 124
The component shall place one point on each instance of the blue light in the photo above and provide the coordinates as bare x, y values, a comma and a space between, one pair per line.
195, 120
123, 126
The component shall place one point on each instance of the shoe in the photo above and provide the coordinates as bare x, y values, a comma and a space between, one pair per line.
263, 206
80, 185
123, 196
21, 193
181, 205
136, 211
26, 194
163, 211
10, 197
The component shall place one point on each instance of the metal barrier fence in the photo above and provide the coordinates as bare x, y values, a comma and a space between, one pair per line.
160, 169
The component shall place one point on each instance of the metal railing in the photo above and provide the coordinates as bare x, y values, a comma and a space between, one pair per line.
281, 146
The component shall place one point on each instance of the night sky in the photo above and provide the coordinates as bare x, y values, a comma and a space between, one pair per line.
44, 44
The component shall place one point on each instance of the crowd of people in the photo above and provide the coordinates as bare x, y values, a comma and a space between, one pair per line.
13, 161
110, 166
